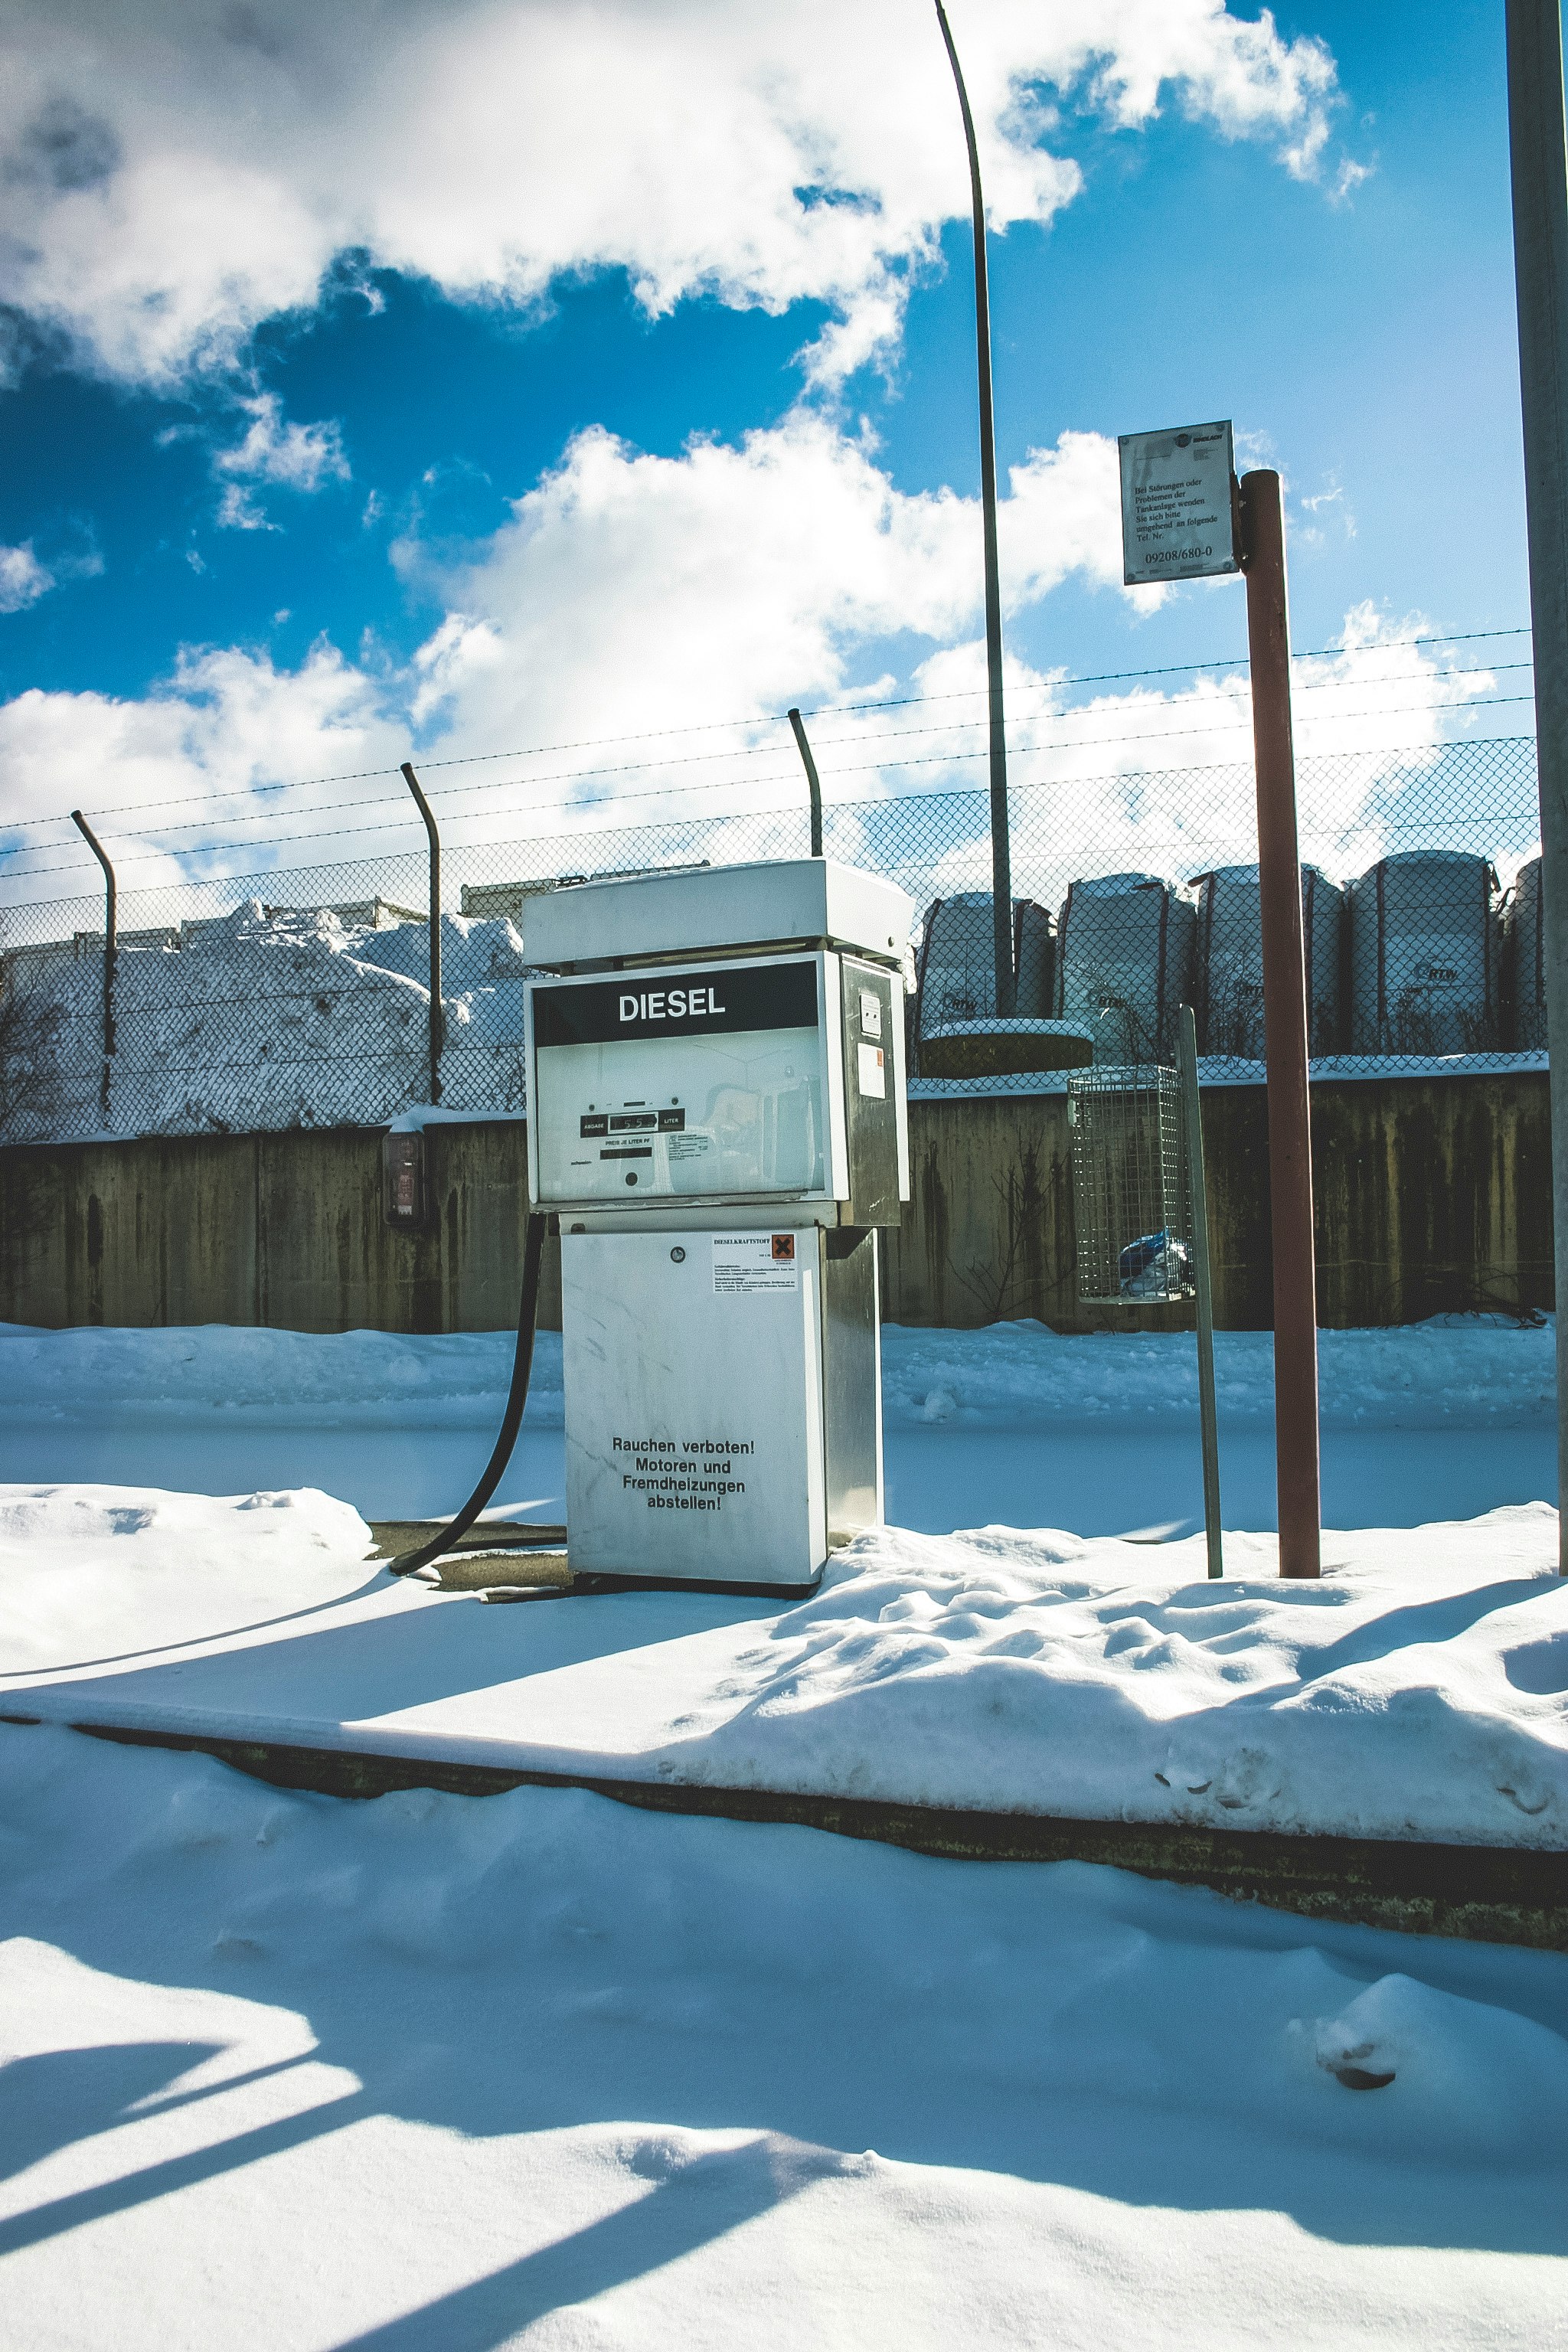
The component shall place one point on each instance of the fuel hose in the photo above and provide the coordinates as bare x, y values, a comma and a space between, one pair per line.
407, 1563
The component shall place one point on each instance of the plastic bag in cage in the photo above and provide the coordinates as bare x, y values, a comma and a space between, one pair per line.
1153, 1266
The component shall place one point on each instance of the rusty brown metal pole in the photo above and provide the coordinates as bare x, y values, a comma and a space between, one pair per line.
1538, 146
1285, 1029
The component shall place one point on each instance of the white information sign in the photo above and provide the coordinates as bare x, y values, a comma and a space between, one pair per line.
747, 1264
1176, 520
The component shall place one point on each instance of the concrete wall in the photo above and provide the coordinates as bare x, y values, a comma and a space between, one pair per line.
280, 1229
1433, 1195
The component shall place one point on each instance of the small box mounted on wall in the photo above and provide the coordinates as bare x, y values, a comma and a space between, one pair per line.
405, 1192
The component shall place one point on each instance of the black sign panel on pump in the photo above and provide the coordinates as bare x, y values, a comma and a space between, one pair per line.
710, 1002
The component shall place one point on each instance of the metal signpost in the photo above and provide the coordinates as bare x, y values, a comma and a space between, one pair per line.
1284, 1031
1141, 1212
1198, 1198
1185, 517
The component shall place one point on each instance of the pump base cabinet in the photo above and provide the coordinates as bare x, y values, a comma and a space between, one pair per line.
723, 1405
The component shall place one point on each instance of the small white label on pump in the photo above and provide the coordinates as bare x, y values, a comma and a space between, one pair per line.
748, 1265
873, 1070
870, 1014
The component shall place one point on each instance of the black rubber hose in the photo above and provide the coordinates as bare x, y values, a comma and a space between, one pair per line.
522, 1366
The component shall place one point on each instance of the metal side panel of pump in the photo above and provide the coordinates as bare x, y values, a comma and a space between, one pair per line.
851, 1381
876, 1121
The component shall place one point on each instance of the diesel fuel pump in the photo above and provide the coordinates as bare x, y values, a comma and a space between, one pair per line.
717, 1117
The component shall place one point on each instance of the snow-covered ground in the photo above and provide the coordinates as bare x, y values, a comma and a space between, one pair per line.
1472, 1371
1419, 1689
1433, 1421
443, 2074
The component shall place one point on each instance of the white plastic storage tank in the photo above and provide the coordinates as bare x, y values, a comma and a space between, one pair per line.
1124, 962
1424, 941
957, 960
1230, 960
1524, 948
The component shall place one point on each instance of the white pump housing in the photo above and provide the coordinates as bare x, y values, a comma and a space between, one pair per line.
717, 1113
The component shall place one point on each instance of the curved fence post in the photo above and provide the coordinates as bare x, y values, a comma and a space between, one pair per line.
110, 950
812, 782
438, 1016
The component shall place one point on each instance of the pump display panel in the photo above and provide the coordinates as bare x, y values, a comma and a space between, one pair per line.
680, 1082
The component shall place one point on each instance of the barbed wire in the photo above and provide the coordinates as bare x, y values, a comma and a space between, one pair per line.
146, 855
779, 718
828, 743
138, 855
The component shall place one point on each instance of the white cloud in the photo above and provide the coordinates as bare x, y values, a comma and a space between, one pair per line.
226, 725
302, 457
1065, 515
174, 176
628, 594
22, 578
237, 510
642, 590
632, 602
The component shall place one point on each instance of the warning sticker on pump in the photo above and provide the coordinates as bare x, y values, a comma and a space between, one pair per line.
746, 1265
873, 1071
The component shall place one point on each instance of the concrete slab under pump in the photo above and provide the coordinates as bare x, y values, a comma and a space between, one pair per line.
497, 1553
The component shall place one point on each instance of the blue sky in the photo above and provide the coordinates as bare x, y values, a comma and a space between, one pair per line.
1361, 337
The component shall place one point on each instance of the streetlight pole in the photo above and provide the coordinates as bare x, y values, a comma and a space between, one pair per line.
1540, 158
1001, 850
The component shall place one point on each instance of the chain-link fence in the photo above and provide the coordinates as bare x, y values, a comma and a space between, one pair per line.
301, 997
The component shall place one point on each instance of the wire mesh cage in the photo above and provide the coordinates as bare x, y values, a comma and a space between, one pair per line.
1131, 1195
